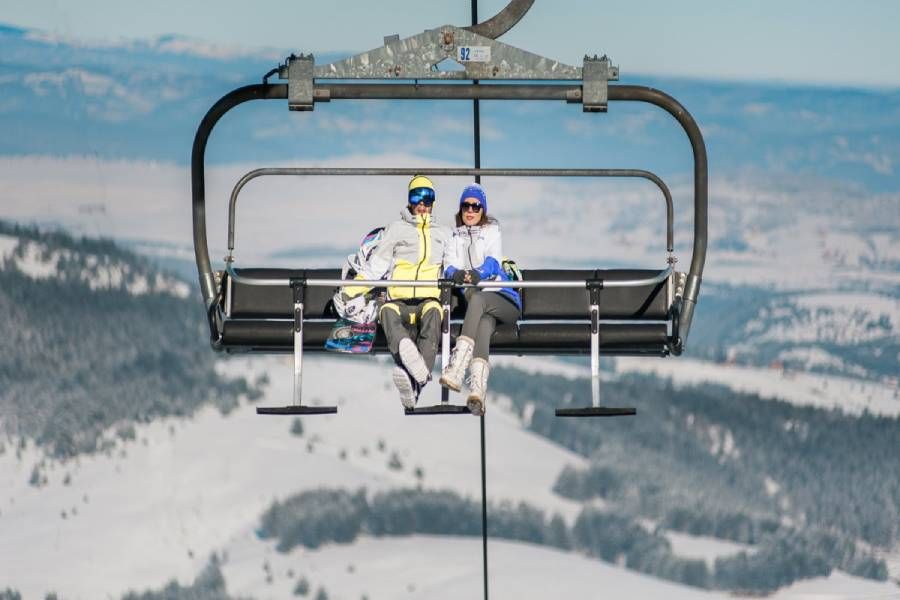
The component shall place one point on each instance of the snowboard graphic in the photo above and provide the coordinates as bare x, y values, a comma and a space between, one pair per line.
351, 338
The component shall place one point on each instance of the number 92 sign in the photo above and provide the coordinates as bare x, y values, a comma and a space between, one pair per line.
473, 54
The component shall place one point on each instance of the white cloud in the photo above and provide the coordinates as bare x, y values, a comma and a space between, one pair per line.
183, 45
165, 43
630, 125
879, 161
110, 99
758, 109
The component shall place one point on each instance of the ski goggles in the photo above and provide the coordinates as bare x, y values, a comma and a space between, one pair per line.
421, 195
470, 207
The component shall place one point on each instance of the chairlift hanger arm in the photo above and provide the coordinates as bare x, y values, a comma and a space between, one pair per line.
422, 55
503, 21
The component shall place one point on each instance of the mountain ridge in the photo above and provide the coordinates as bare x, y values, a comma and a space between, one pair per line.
156, 97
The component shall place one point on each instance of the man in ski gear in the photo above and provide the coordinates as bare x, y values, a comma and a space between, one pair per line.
476, 253
413, 248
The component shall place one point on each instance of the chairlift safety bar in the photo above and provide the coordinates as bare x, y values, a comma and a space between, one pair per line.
662, 276
363, 171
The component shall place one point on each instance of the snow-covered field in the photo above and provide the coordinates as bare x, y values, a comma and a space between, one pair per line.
157, 507
703, 547
807, 320
440, 568
852, 396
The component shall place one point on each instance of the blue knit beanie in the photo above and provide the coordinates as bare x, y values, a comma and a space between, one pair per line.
473, 190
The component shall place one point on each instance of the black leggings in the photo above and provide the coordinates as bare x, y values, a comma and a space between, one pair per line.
484, 311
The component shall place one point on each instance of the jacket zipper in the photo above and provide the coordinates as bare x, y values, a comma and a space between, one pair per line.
424, 255
469, 249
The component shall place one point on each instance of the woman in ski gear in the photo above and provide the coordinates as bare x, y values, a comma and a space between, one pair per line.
413, 248
476, 253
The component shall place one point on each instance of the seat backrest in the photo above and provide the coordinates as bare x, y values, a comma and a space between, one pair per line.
555, 303
640, 303
644, 302
277, 302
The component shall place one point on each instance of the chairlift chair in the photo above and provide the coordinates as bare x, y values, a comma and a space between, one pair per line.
590, 311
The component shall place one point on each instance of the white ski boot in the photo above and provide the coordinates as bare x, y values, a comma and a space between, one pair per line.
413, 361
406, 387
452, 377
479, 371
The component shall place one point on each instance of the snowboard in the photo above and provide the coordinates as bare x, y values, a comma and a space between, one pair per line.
351, 338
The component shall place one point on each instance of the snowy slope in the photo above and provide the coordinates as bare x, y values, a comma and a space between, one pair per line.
852, 396
158, 507
39, 260
439, 568
838, 586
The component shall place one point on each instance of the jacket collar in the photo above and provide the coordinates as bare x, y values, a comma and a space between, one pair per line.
416, 219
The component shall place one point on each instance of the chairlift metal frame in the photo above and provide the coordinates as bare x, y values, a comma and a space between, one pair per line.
407, 70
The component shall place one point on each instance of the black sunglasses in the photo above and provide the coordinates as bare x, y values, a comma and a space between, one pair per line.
470, 206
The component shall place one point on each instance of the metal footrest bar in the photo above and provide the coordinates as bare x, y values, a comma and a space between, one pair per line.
438, 409
299, 287
296, 410
596, 411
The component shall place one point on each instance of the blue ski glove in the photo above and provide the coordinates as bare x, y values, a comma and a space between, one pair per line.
490, 268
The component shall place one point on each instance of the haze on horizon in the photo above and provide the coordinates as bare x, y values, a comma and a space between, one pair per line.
805, 41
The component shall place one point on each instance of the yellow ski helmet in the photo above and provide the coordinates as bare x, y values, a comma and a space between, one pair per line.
421, 189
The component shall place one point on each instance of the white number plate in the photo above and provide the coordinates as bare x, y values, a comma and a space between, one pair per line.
473, 54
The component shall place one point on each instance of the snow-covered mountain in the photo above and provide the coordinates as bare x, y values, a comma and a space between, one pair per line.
143, 100
39, 260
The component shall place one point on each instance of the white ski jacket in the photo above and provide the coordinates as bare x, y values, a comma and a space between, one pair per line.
413, 248
480, 248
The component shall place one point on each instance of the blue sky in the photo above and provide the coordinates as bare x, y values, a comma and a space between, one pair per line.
809, 41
